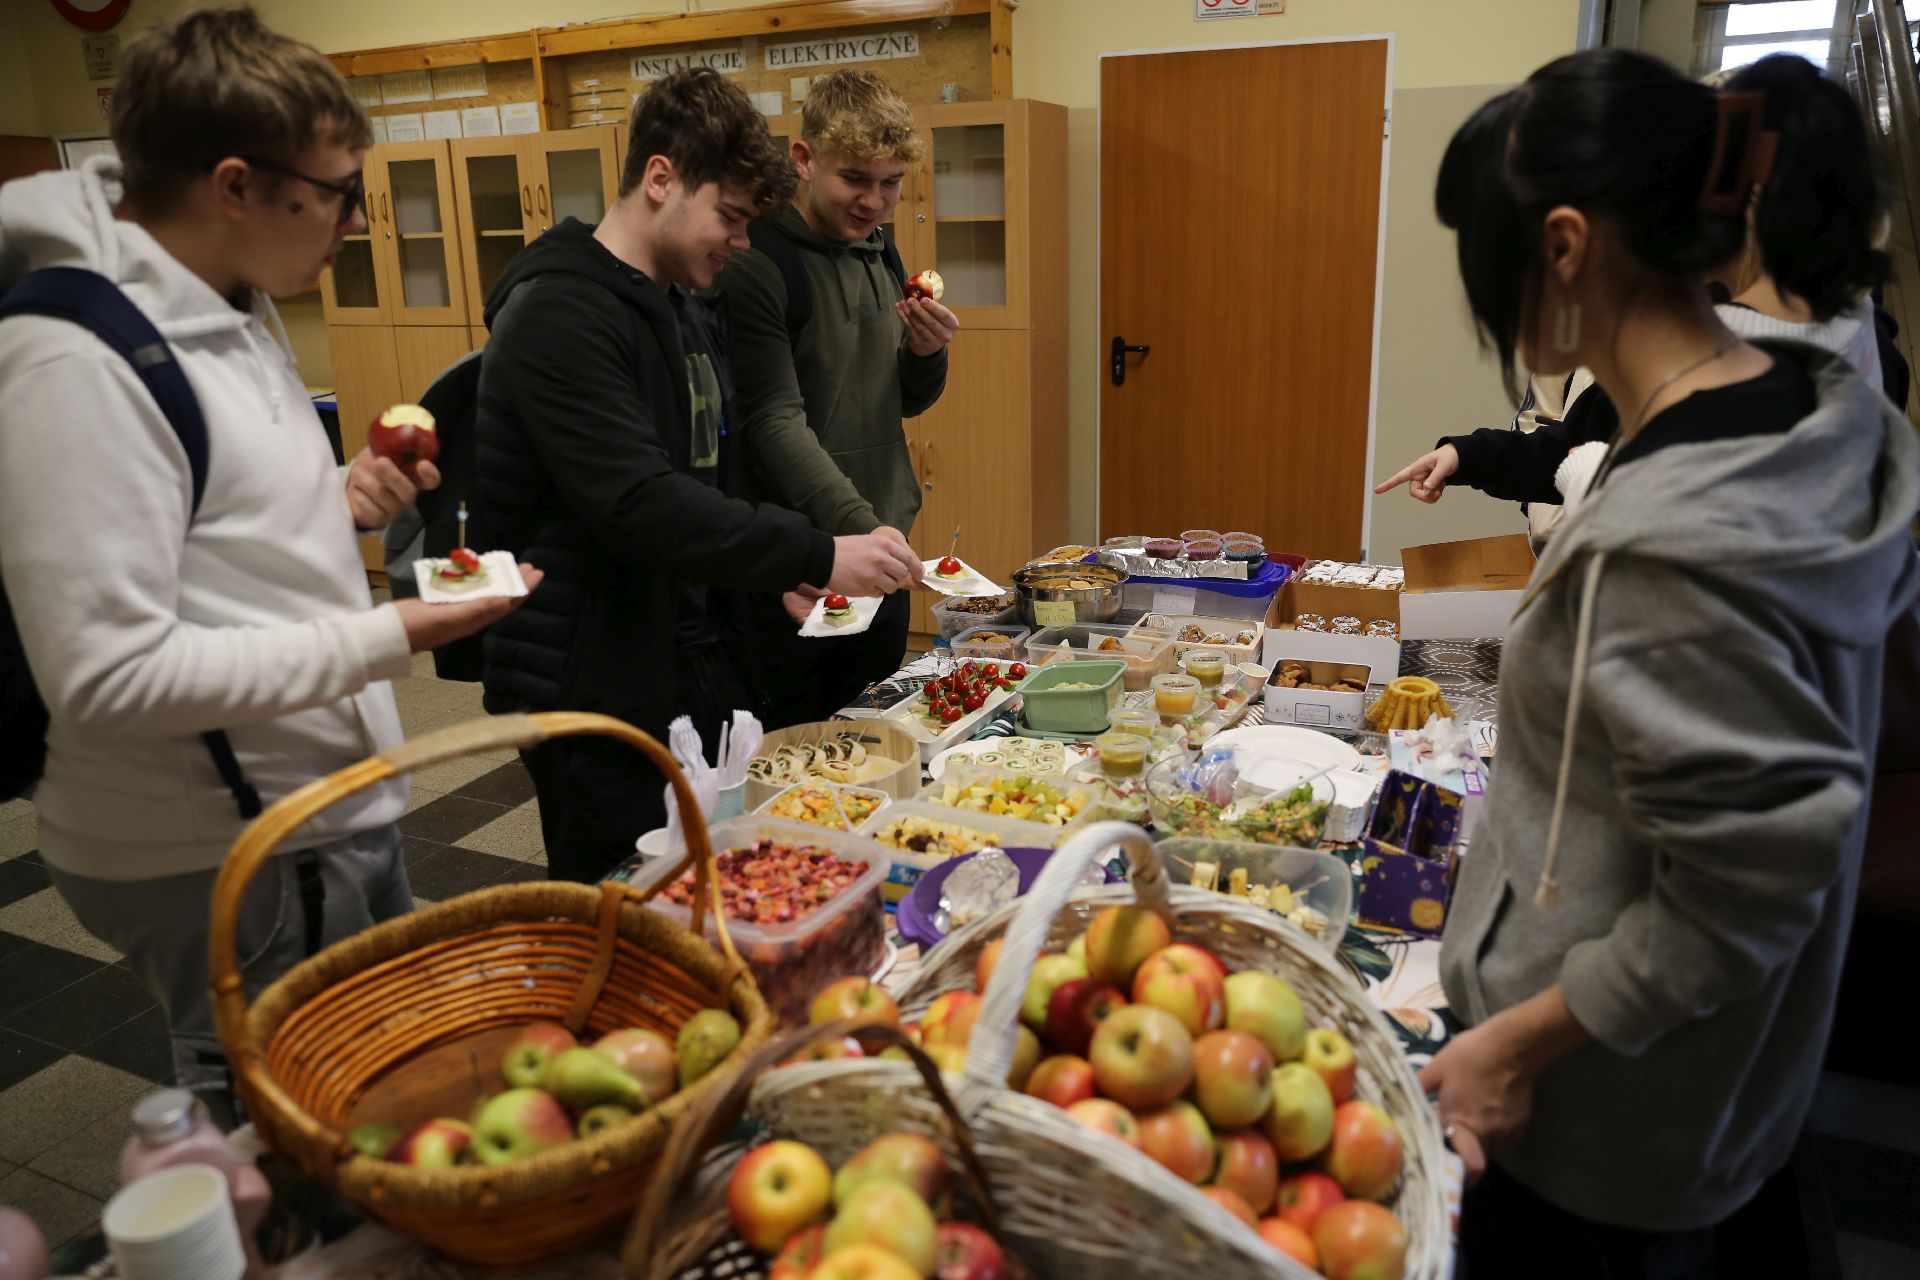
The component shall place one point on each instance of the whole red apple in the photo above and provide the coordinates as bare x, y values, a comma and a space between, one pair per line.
1233, 1203
1107, 1116
854, 997
1232, 1078
963, 1251
1143, 1058
937, 1024
1049, 974
1331, 1057
1290, 1240
525, 1063
1300, 1120
1245, 1163
1304, 1197
1178, 1137
799, 1255
909, 1158
826, 1051
1078, 1006
984, 966
1183, 981
775, 1190
1119, 941
1062, 1080
864, 1262
885, 1213
437, 1144
1359, 1240
1364, 1155
405, 434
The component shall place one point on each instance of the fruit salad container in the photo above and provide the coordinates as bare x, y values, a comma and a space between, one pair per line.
402, 1022
1001, 644
823, 804
918, 836
1311, 890
1145, 655
1021, 794
795, 939
1072, 697
1077, 1185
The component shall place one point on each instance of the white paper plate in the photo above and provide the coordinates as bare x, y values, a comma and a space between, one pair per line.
653, 844
1292, 742
971, 583
503, 573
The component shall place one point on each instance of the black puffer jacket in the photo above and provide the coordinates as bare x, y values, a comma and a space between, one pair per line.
584, 423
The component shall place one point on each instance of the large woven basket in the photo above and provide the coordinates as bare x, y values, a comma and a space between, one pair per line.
1075, 1187
682, 1231
410, 1019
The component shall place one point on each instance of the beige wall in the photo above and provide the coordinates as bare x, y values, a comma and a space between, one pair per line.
19, 109
1430, 378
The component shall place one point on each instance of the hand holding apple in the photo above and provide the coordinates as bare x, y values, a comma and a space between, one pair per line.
405, 435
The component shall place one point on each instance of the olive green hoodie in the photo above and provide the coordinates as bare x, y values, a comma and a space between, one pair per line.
821, 410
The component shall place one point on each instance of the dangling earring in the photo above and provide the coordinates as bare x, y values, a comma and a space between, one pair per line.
1566, 328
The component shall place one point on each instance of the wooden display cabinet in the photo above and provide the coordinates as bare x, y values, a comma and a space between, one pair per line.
510, 190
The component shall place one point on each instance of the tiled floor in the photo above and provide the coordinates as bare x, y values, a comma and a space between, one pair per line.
80, 1041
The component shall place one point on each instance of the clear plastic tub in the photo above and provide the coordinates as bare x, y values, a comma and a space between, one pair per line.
847, 934
1171, 625
958, 779
1145, 654
992, 643
837, 806
952, 617
911, 819
1050, 709
1320, 883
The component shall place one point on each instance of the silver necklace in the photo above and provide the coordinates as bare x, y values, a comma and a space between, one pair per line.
1640, 418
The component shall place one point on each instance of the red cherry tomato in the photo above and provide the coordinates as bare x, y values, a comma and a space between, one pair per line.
991, 670
836, 602
930, 689
951, 715
974, 702
1017, 670
1001, 682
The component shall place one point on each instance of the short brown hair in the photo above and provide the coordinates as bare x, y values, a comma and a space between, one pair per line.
856, 113
217, 83
711, 132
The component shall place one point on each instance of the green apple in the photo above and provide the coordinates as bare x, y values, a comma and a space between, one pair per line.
520, 1123
1269, 1010
1300, 1120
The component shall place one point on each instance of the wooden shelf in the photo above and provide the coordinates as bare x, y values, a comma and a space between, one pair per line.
423, 235
518, 233
969, 217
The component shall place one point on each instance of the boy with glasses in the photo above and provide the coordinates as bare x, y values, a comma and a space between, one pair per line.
160, 598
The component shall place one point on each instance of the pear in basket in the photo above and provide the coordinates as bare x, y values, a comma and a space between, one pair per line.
581, 1078
647, 1056
705, 1041
602, 1117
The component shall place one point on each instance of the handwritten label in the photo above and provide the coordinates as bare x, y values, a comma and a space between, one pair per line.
1177, 600
1054, 613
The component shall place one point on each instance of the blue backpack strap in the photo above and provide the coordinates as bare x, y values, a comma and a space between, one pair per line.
96, 304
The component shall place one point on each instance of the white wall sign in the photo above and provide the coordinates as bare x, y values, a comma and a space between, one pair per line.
480, 122
406, 128
102, 54
519, 117
442, 124
822, 53
728, 62
1203, 10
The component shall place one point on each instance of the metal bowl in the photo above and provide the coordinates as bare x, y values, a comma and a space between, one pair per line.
1094, 591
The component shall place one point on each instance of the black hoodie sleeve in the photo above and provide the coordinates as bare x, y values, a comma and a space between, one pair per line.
566, 360
1518, 466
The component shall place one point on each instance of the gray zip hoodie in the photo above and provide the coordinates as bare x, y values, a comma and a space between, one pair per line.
1726, 603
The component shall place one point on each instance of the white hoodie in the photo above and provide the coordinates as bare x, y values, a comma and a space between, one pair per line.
143, 633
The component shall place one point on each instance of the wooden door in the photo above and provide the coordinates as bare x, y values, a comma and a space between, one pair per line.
493, 191
419, 233
356, 288
973, 458
969, 215
1239, 239
575, 174
366, 376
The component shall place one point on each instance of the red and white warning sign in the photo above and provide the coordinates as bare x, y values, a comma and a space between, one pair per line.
1204, 10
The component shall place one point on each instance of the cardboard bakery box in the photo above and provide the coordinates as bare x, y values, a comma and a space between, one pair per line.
1377, 653
1318, 708
1464, 590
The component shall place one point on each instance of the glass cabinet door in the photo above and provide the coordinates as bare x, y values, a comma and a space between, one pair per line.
969, 211
353, 290
417, 221
495, 191
574, 175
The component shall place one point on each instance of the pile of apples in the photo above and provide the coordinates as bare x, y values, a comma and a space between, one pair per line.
1215, 1075
559, 1089
883, 1216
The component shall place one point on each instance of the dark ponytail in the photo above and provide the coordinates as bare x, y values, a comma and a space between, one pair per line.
1611, 132
1822, 208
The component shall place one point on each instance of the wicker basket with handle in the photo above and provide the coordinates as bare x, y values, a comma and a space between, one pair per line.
682, 1231
410, 1019
1073, 1186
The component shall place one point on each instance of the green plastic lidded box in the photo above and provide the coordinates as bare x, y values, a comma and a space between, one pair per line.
1050, 709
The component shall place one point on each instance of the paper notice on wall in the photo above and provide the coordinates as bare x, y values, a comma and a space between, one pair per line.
366, 90
406, 86
519, 117
379, 124
407, 128
443, 124
769, 103
460, 82
480, 122
1204, 10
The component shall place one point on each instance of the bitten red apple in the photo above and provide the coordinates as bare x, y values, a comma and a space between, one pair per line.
926, 284
405, 434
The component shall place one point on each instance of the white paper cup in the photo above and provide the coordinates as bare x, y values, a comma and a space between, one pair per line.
174, 1224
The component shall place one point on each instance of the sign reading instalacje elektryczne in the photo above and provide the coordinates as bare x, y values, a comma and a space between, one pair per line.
880, 47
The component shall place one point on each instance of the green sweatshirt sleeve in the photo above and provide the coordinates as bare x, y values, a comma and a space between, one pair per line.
782, 450
922, 379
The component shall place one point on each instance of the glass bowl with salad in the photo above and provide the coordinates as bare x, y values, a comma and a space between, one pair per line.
1232, 793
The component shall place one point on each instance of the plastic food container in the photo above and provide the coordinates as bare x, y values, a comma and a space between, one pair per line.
1142, 722
1173, 626
973, 790
1175, 695
942, 833
1319, 896
952, 617
826, 804
1122, 755
1205, 665
1051, 709
992, 644
846, 934
1183, 804
1146, 655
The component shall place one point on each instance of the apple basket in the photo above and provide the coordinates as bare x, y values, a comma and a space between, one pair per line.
405, 1021
683, 1231
1072, 1191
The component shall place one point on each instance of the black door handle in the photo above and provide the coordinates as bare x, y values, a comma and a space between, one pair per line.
1120, 350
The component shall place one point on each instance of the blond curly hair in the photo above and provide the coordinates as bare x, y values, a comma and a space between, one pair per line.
856, 113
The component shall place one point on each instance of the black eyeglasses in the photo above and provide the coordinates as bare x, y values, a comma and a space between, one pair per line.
351, 192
